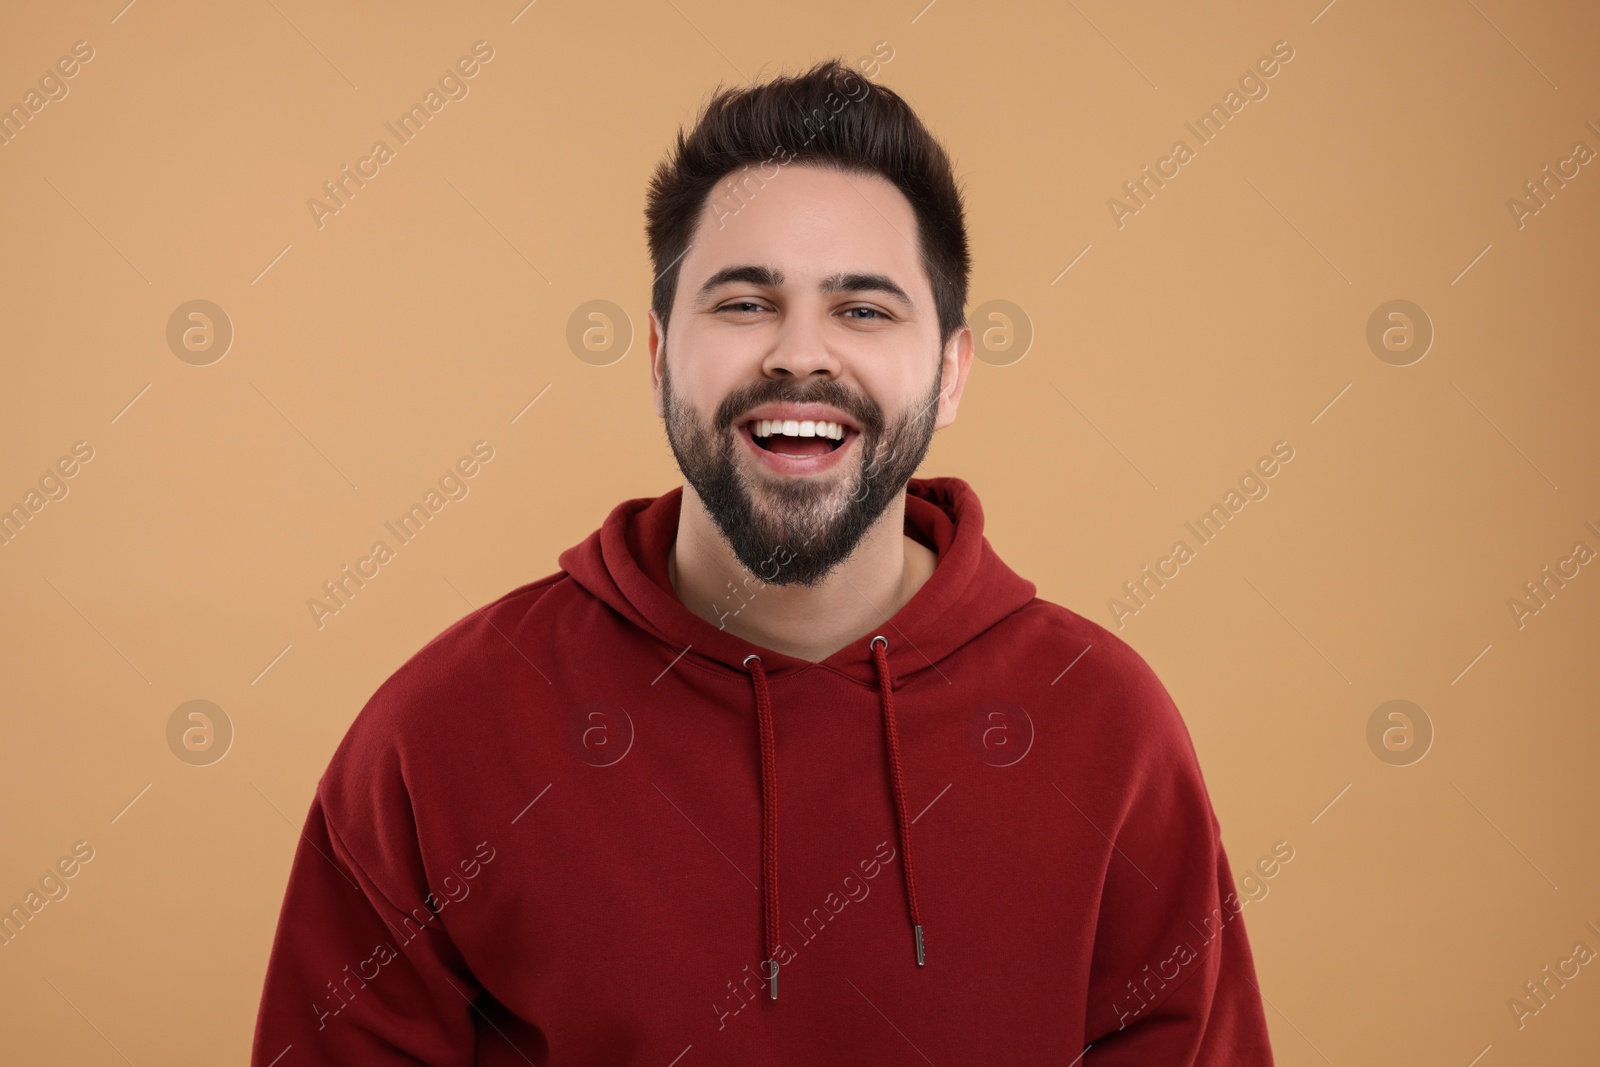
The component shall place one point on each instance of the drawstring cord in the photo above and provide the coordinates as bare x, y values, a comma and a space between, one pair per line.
769, 802
769, 815
897, 779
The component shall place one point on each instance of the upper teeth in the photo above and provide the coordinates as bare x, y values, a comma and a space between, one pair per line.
797, 428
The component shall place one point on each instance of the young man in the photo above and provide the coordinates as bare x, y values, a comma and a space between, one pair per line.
557, 835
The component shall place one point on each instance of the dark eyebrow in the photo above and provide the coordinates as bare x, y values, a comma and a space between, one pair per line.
765, 277
835, 283
866, 283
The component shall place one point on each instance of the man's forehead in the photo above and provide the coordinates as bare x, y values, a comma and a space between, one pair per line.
805, 227
805, 212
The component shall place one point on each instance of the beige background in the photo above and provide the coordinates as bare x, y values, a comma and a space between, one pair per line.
1228, 314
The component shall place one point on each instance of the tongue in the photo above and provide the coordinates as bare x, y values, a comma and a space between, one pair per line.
799, 446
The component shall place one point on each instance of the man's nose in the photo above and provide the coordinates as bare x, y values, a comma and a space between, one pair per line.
802, 348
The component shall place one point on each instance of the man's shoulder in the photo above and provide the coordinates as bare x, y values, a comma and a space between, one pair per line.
1100, 679
472, 668
482, 636
1051, 629
1121, 734
412, 755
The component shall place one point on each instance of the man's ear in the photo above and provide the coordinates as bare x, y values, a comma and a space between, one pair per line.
953, 367
658, 354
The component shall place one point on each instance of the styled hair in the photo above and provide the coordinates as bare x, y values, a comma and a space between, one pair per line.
830, 117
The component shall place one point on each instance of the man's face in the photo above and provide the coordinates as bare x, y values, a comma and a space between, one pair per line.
803, 300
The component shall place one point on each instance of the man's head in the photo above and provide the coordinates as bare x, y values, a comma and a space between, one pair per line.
811, 261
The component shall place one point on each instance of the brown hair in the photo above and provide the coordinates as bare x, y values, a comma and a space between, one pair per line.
828, 116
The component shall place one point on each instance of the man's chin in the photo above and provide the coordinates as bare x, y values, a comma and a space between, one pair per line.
802, 519
781, 499
793, 523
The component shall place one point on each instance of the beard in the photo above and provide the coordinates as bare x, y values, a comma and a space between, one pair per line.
794, 530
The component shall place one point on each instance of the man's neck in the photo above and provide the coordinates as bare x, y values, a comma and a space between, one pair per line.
811, 623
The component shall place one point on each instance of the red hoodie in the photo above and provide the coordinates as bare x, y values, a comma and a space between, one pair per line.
557, 835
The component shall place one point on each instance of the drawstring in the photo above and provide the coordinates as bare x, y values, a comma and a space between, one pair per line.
769, 802
897, 779
769, 816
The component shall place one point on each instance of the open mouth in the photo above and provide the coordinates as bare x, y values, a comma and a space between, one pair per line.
800, 439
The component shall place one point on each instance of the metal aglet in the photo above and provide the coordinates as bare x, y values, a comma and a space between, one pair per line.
774, 978
919, 946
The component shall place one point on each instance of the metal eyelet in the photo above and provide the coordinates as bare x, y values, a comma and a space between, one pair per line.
876, 638
751, 656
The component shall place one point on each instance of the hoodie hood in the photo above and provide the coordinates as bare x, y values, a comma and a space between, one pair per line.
624, 564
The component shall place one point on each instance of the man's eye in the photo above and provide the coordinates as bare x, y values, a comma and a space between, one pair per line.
741, 304
870, 311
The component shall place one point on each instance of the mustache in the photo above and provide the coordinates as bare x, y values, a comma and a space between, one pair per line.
828, 391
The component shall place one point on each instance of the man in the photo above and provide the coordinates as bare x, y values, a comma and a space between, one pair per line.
557, 835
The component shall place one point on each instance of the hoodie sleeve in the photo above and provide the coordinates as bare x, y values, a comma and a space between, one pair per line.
1172, 980
353, 977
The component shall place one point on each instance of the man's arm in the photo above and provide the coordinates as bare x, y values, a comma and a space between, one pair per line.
1172, 980
355, 978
